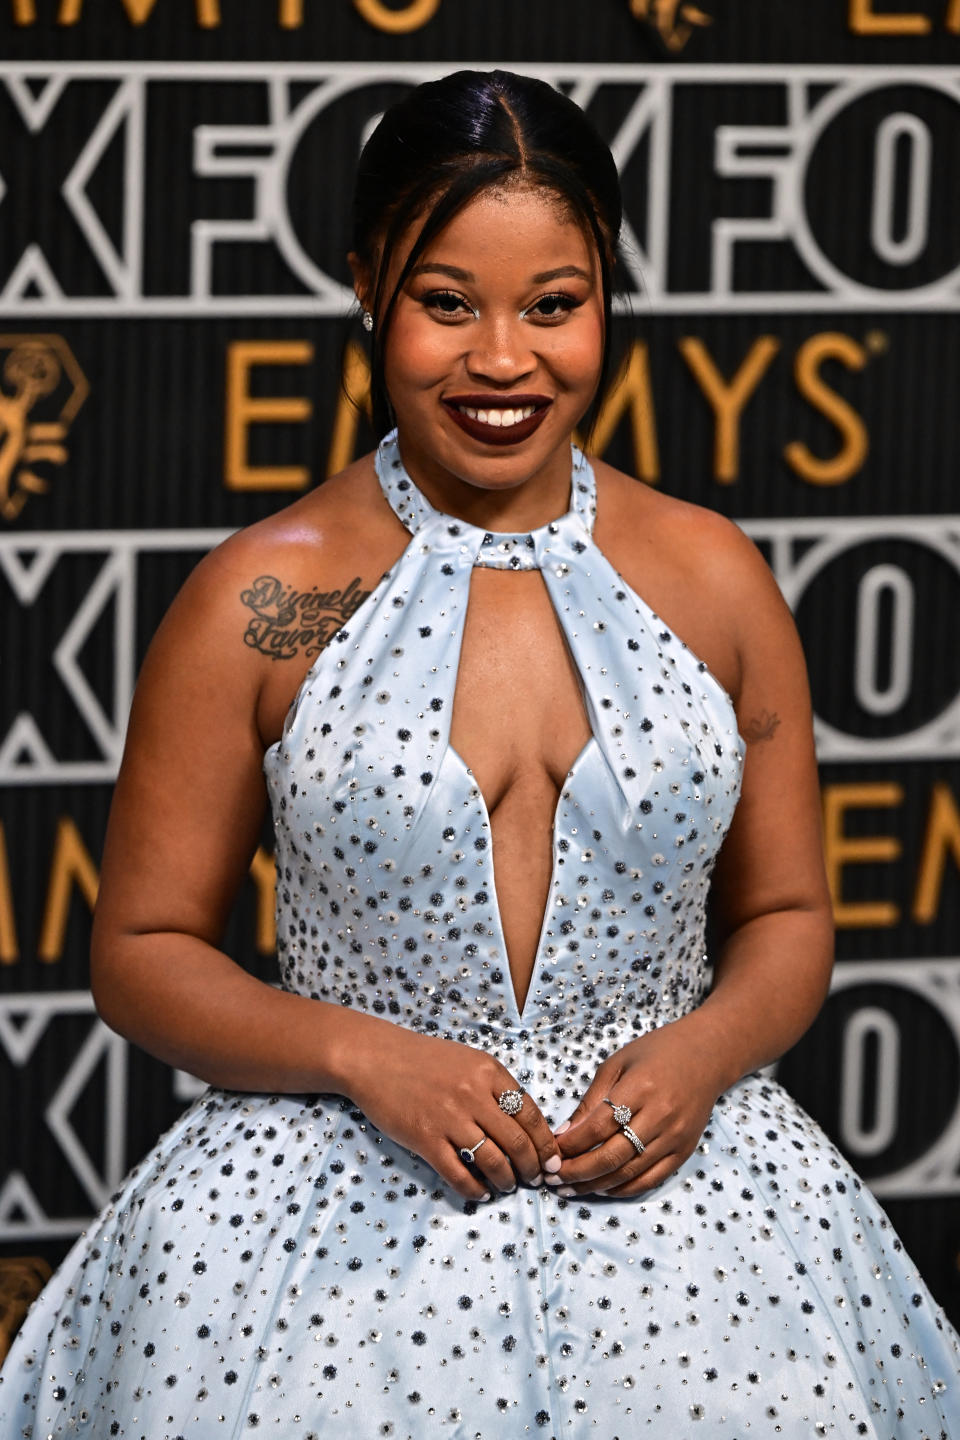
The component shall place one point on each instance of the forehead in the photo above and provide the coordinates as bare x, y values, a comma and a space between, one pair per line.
513, 224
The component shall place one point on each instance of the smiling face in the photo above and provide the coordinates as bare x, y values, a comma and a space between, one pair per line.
493, 354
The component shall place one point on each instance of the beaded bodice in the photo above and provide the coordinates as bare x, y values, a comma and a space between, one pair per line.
386, 893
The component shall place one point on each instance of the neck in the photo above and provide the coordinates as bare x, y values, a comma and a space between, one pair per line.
505, 504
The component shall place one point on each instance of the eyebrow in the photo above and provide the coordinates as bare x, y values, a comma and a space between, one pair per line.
562, 272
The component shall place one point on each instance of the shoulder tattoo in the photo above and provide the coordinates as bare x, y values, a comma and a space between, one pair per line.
287, 622
760, 727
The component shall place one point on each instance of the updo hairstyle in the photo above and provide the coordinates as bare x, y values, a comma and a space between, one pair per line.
448, 140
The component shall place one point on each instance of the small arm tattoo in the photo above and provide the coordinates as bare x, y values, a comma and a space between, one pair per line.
287, 622
760, 727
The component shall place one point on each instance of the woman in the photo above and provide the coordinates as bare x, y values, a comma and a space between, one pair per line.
492, 1162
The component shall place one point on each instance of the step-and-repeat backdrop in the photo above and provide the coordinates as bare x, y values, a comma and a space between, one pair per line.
175, 331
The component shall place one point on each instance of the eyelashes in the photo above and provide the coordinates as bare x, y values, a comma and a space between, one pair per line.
559, 303
449, 305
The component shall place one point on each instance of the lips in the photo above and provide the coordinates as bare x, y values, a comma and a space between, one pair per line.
498, 420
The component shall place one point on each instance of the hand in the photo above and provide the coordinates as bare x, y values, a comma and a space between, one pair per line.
434, 1096
669, 1089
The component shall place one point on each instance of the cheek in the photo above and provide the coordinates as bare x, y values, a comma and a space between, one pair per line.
579, 356
417, 356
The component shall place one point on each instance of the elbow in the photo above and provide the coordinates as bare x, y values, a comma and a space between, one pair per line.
105, 949
102, 993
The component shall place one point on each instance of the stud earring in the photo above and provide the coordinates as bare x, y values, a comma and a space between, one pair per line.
367, 321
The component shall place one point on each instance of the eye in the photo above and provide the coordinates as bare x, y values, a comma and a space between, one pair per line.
448, 304
552, 307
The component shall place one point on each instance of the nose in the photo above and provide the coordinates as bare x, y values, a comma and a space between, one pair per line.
500, 350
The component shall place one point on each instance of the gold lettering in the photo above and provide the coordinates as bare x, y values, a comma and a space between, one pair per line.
139, 12
354, 396
244, 410
632, 391
414, 15
865, 21
264, 874
71, 865
856, 443
841, 849
728, 398
942, 838
951, 21
24, 12
291, 14
9, 949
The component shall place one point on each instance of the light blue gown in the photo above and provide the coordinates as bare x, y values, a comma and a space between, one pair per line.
277, 1266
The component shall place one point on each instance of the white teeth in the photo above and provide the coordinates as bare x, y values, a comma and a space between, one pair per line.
497, 418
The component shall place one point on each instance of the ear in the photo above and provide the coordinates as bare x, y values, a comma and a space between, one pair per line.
362, 280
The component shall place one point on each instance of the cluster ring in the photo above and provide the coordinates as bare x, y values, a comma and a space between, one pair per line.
510, 1101
621, 1113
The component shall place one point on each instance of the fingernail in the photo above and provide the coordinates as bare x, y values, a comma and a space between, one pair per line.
553, 1164
537, 1180
553, 1180
566, 1191
560, 1128
485, 1195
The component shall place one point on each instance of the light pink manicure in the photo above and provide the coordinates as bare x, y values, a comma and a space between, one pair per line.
553, 1164
560, 1128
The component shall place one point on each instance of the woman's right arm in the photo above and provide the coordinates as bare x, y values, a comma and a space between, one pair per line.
184, 824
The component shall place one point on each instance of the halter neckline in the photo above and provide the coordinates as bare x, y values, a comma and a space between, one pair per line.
516, 548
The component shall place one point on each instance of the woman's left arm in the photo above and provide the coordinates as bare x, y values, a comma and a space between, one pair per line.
771, 904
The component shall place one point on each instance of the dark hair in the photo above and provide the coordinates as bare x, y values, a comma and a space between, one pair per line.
449, 139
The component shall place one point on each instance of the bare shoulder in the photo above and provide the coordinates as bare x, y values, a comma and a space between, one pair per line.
698, 544
337, 523
697, 570
256, 611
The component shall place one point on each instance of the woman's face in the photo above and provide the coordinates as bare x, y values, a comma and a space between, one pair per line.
495, 346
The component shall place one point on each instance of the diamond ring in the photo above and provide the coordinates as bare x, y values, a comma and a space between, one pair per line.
510, 1101
621, 1113
467, 1152
635, 1140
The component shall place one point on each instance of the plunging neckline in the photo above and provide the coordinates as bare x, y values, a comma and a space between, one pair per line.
589, 745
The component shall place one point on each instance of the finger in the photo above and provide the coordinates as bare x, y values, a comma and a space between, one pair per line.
603, 1163
650, 1178
493, 1162
596, 1126
514, 1141
459, 1176
632, 1168
542, 1138
605, 1076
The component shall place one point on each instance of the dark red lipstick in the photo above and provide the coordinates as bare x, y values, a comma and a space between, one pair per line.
495, 434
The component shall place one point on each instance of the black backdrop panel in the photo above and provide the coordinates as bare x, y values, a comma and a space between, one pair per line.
176, 329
